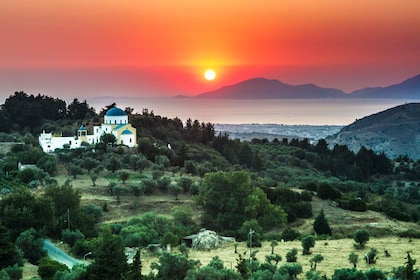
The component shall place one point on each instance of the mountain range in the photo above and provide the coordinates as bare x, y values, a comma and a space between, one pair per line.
262, 88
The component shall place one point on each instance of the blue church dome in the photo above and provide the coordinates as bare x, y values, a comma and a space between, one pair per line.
126, 132
115, 112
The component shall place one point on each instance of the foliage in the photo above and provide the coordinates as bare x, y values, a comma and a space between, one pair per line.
224, 208
308, 242
291, 256
370, 257
326, 191
211, 273
71, 237
361, 236
375, 274
31, 245
48, 267
173, 266
104, 266
348, 274
289, 234
321, 225
14, 272
291, 270
170, 239
134, 272
242, 266
353, 259
144, 230
9, 254
21, 210
315, 260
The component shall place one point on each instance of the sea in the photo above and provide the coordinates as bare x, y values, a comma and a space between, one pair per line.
255, 111
309, 118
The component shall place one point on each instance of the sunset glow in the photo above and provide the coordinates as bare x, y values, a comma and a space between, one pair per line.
157, 47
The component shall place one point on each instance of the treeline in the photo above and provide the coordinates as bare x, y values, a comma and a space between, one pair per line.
27, 113
342, 162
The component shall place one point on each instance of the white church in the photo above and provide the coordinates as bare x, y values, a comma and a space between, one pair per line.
115, 122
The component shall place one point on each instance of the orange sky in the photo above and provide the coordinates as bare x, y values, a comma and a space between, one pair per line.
148, 47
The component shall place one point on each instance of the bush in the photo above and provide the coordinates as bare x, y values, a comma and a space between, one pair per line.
290, 234
70, 237
291, 256
307, 243
361, 236
326, 191
15, 272
411, 233
48, 267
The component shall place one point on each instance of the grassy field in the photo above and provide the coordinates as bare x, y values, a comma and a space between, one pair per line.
335, 252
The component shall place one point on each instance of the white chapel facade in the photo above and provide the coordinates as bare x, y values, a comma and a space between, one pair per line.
115, 122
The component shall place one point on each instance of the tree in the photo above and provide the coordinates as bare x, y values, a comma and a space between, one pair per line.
9, 254
31, 245
321, 225
21, 210
74, 170
66, 203
222, 197
348, 274
48, 267
123, 175
375, 274
371, 256
170, 239
134, 272
273, 244
242, 266
79, 110
315, 260
93, 177
307, 243
228, 199
110, 260
353, 258
113, 164
291, 256
90, 163
173, 266
292, 270
175, 189
361, 236
409, 267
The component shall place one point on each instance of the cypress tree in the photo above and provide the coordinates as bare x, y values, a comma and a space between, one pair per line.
321, 225
110, 260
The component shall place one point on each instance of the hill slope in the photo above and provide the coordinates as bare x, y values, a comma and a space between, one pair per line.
395, 132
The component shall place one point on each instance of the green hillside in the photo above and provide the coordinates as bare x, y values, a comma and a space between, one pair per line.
183, 177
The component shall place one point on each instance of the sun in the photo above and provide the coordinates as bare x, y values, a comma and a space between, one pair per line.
210, 74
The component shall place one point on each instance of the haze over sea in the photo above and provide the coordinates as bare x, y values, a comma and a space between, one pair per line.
256, 111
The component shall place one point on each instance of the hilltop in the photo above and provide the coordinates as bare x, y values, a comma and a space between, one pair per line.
394, 131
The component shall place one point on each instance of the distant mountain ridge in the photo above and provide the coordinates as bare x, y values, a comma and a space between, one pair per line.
271, 89
395, 132
262, 88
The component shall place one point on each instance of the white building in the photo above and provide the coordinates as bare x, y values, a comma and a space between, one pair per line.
115, 122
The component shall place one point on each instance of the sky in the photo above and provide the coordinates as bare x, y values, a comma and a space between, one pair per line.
152, 48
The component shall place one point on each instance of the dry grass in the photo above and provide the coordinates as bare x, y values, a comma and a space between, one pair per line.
335, 253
